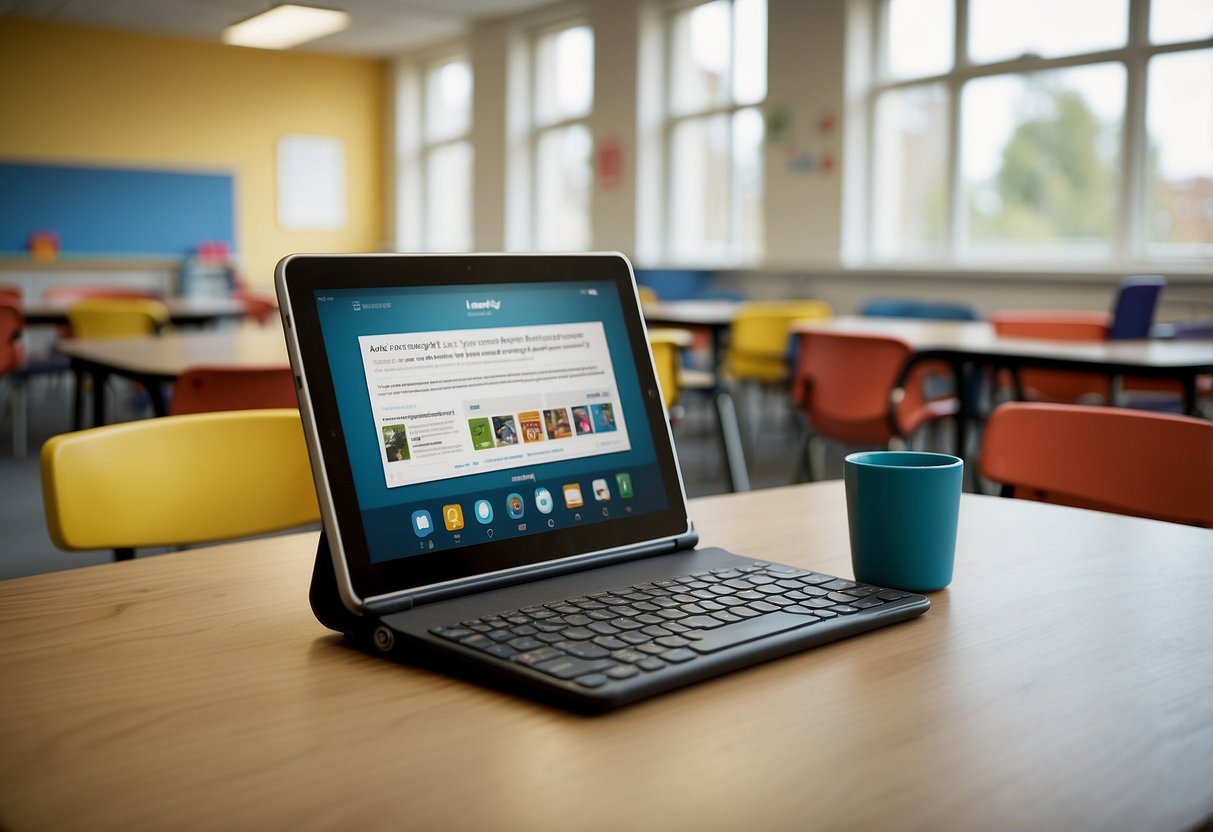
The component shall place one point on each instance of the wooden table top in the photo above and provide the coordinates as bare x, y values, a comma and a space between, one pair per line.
166, 355
1062, 681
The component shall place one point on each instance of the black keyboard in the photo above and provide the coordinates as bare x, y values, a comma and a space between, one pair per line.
609, 638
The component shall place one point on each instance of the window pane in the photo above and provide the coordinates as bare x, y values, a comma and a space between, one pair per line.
910, 199
699, 57
920, 37
750, 71
698, 217
448, 190
1172, 21
562, 191
748, 133
1040, 157
1179, 166
1000, 30
564, 74
448, 100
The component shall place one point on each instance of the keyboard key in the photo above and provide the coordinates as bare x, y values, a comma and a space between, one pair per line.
839, 583
610, 643
501, 651
703, 622
524, 643
578, 634
628, 656
591, 680
453, 633
533, 657
570, 667
734, 634
582, 649
673, 641
844, 609
867, 603
678, 656
651, 663
623, 671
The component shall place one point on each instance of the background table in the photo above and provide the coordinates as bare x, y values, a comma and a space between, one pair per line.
182, 311
159, 359
1062, 681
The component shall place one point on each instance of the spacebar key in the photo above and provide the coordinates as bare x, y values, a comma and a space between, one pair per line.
748, 630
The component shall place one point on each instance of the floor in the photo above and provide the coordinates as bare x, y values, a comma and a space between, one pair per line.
26, 548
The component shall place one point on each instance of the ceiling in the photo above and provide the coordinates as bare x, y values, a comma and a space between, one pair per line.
378, 28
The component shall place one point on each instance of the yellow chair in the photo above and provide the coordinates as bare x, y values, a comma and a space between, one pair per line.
667, 346
116, 317
111, 317
647, 295
177, 480
760, 347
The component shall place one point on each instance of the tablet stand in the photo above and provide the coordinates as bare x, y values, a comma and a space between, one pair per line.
326, 600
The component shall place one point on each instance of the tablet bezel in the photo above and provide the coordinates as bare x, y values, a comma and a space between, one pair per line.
360, 579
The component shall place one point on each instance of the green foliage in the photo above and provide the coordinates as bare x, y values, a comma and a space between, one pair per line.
1054, 182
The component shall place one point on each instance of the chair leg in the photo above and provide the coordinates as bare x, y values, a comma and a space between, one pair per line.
20, 428
804, 459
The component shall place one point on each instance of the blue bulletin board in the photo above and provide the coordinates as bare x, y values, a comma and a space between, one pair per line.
114, 211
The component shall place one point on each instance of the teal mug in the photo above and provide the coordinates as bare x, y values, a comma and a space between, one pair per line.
902, 510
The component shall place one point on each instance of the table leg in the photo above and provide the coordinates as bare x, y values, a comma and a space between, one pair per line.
730, 439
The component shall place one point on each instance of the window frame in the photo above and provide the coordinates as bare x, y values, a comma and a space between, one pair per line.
1127, 246
537, 130
415, 149
736, 251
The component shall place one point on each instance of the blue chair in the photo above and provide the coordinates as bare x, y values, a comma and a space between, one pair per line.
1133, 309
932, 310
676, 284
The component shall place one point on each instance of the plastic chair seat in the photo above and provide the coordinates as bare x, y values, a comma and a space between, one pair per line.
1155, 465
1056, 385
178, 480
847, 385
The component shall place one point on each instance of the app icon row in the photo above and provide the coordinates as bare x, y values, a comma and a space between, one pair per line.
482, 510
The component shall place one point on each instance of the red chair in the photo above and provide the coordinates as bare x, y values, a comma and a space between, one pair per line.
260, 306
207, 389
1155, 465
1056, 385
850, 389
12, 360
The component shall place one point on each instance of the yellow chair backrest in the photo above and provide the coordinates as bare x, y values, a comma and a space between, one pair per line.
667, 346
759, 348
176, 480
116, 317
647, 294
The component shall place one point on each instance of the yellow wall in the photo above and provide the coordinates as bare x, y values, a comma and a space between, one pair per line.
94, 96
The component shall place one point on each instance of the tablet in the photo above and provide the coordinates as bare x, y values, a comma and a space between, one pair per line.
478, 419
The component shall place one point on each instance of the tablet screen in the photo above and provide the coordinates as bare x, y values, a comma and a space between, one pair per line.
478, 413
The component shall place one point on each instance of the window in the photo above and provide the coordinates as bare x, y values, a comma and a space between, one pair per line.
435, 212
713, 131
997, 137
562, 97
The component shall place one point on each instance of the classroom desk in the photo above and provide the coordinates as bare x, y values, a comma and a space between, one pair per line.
159, 359
713, 317
182, 311
971, 347
1063, 681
